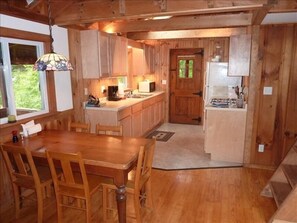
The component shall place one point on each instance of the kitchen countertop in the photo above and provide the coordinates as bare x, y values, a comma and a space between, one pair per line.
124, 103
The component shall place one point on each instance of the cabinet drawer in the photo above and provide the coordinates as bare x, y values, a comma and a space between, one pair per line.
148, 102
124, 113
159, 98
136, 108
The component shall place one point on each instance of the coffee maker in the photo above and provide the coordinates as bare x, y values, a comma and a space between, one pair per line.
113, 93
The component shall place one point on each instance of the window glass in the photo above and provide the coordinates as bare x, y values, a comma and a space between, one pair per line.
23, 90
185, 67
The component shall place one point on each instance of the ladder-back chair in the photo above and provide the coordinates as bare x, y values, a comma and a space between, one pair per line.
140, 187
24, 174
73, 184
109, 130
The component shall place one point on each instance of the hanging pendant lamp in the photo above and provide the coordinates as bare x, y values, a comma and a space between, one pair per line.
52, 60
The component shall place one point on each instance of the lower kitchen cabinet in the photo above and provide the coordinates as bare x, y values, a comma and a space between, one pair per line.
124, 119
136, 123
225, 134
137, 120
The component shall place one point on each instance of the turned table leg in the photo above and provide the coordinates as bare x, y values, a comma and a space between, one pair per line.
121, 203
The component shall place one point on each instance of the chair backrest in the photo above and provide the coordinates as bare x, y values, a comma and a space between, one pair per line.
80, 127
109, 130
20, 165
70, 179
144, 164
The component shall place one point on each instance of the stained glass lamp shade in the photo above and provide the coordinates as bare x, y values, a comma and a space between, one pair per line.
52, 61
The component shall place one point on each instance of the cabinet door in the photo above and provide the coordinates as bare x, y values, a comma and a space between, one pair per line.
145, 119
126, 123
118, 55
149, 59
104, 54
136, 124
90, 53
239, 55
137, 58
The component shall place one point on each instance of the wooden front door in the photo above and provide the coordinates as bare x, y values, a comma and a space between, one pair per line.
186, 86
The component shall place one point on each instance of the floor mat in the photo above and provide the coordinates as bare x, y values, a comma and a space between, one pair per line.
163, 136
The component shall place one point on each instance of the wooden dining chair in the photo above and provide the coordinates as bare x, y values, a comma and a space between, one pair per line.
73, 185
109, 130
24, 174
79, 127
140, 187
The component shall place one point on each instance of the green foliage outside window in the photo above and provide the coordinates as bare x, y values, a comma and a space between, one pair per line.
185, 68
26, 87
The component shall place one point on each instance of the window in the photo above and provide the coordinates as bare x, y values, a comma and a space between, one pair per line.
23, 91
185, 66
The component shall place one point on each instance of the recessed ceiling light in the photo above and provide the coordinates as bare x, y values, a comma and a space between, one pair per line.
159, 17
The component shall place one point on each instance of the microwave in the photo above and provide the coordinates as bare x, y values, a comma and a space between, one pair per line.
146, 86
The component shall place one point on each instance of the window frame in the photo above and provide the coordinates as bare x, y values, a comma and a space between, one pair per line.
49, 75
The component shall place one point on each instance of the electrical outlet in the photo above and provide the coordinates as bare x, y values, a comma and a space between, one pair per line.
86, 91
261, 148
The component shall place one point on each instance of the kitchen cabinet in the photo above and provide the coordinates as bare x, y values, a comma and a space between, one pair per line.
95, 54
118, 55
136, 120
225, 134
239, 55
137, 62
149, 59
124, 119
147, 116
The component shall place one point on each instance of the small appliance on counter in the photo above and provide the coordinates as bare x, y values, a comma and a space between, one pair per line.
113, 93
93, 101
146, 86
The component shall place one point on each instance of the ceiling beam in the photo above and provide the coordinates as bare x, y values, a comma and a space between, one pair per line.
93, 11
259, 14
185, 34
22, 13
178, 23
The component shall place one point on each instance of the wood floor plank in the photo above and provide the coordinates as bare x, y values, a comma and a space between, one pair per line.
206, 195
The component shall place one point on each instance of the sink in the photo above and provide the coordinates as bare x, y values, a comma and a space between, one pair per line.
140, 95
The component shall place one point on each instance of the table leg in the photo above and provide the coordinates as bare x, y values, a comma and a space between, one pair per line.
121, 203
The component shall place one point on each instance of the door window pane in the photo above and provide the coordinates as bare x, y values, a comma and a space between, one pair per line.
185, 67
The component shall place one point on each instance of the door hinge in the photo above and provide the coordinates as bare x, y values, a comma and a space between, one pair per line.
198, 93
197, 119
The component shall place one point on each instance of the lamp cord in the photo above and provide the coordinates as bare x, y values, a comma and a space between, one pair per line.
50, 24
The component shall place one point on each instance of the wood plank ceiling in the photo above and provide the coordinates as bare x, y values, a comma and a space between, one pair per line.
134, 18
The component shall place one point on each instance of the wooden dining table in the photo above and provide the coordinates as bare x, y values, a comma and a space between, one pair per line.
110, 156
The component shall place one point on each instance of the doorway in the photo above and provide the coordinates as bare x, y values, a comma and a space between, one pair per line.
186, 82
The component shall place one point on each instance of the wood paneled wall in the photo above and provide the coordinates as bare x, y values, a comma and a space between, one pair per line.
277, 49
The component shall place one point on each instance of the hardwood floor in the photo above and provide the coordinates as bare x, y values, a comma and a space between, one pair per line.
205, 195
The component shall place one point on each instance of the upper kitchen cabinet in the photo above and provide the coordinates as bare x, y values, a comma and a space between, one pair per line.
95, 54
239, 55
149, 59
137, 62
118, 55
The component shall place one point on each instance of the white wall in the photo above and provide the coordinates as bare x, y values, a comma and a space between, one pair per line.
60, 35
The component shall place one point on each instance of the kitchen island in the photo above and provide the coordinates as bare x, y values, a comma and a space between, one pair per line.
137, 115
225, 133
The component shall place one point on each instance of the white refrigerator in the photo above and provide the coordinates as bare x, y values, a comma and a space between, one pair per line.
218, 84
